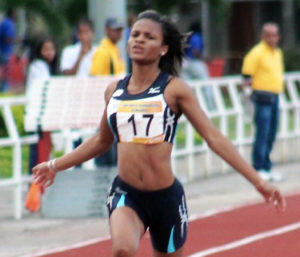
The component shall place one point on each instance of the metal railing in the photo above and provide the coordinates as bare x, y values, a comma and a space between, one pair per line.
222, 99
232, 108
15, 141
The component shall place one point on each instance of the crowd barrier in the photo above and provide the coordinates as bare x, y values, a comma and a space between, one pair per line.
228, 104
224, 101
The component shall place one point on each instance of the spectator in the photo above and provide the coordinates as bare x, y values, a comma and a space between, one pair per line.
107, 58
194, 67
76, 59
42, 66
263, 70
7, 40
107, 61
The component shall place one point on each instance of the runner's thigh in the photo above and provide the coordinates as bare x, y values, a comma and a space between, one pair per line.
126, 230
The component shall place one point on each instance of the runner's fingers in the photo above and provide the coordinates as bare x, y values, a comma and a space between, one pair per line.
279, 201
281, 204
38, 173
49, 182
40, 180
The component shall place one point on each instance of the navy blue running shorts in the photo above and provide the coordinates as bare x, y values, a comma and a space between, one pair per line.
163, 211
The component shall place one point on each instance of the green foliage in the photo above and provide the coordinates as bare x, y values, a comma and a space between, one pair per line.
73, 10
18, 114
292, 59
180, 135
6, 163
166, 6
58, 15
3, 132
222, 10
217, 3
161, 6
221, 6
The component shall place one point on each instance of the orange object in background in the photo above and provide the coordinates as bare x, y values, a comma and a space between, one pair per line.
33, 198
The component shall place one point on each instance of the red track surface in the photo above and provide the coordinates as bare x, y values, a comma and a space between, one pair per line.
224, 228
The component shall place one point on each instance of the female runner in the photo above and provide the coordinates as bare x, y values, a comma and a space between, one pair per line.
141, 114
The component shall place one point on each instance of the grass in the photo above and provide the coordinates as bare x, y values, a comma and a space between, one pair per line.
6, 161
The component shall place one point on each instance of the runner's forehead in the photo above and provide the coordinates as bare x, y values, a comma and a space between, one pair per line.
147, 26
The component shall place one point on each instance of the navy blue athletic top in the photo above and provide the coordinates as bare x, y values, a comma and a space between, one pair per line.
143, 118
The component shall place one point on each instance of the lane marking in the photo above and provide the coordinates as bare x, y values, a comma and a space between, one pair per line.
192, 218
247, 240
68, 248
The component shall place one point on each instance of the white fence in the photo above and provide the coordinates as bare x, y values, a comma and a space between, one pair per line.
232, 109
224, 102
16, 142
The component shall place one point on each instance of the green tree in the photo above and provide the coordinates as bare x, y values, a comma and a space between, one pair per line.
162, 6
59, 16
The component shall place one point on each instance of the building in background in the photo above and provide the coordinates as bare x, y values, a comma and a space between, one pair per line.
231, 27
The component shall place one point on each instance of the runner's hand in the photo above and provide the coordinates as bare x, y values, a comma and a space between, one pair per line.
43, 175
272, 195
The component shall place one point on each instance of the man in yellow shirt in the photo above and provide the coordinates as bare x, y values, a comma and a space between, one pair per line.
263, 69
107, 58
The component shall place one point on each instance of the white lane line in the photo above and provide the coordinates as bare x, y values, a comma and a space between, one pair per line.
247, 240
67, 248
192, 218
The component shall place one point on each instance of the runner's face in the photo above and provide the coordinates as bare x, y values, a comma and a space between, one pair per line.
145, 44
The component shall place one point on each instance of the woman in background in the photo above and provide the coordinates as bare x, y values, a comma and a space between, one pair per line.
43, 64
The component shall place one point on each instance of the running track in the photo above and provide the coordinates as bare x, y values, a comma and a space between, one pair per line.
252, 230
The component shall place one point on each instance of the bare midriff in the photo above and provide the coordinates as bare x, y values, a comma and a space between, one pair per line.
145, 167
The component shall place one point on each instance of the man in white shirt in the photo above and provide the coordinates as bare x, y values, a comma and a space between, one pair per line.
76, 59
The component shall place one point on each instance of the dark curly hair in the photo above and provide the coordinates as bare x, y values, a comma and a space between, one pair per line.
172, 37
37, 54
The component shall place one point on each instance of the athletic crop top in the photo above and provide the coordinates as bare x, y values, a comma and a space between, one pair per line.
143, 118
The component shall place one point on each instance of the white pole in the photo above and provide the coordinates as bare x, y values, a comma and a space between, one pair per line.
205, 16
17, 160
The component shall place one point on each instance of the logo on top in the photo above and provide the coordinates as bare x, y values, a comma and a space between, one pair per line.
118, 92
154, 90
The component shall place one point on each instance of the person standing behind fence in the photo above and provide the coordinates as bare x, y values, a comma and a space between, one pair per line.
42, 66
263, 69
76, 59
194, 67
107, 61
107, 57
7, 40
